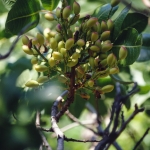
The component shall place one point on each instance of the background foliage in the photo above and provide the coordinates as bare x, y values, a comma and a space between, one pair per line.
18, 104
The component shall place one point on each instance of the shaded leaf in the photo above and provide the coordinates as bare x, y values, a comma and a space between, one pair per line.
119, 21
135, 20
132, 41
50, 4
9, 3
103, 12
114, 9
27, 12
145, 49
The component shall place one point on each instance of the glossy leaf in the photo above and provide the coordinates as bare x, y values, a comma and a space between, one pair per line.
103, 12
119, 21
132, 41
21, 14
135, 20
50, 4
114, 9
145, 49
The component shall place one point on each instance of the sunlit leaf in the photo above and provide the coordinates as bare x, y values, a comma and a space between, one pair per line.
9, 3
21, 14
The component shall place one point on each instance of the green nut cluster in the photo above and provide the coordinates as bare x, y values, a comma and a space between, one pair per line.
84, 48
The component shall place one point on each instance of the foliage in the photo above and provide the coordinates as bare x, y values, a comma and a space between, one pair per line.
73, 59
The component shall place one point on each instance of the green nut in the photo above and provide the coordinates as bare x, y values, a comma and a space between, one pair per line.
123, 52
69, 43
53, 43
58, 28
106, 47
34, 60
110, 24
58, 12
25, 40
114, 70
63, 51
57, 55
46, 33
107, 88
94, 36
96, 61
81, 42
91, 83
51, 61
98, 43
111, 59
104, 62
66, 12
74, 19
49, 16
102, 56
75, 55
40, 38
32, 83
42, 79
27, 50
91, 62
95, 48
70, 33
104, 26
58, 37
76, 8
72, 62
91, 22
61, 44
41, 68
80, 69
105, 35
114, 2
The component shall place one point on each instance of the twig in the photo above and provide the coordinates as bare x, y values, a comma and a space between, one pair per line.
55, 128
75, 140
141, 139
16, 40
37, 123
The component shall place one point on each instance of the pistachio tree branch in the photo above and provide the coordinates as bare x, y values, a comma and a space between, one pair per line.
16, 40
141, 139
37, 123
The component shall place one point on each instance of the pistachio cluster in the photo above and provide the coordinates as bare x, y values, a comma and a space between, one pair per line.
86, 47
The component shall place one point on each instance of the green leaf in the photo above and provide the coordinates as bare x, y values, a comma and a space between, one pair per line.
21, 14
9, 3
132, 41
135, 20
103, 12
145, 49
144, 89
119, 21
50, 4
114, 9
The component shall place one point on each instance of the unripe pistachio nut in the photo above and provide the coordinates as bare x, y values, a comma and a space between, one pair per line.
46, 33
49, 16
98, 43
80, 69
76, 8
58, 12
91, 22
69, 43
104, 62
72, 62
81, 42
41, 68
62, 79
104, 26
102, 56
110, 24
63, 51
25, 40
40, 38
27, 50
95, 48
35, 41
57, 55
74, 19
42, 79
91, 62
58, 37
32, 83
94, 36
106, 47
105, 35
75, 55
107, 88
51, 61
53, 43
61, 44
70, 33
114, 70
123, 52
34, 60
58, 28
111, 59
66, 12
91, 83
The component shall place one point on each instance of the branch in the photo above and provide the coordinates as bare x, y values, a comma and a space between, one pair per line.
37, 123
16, 40
141, 139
